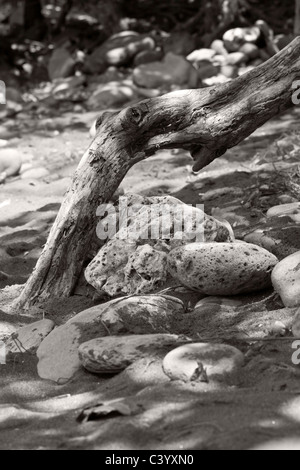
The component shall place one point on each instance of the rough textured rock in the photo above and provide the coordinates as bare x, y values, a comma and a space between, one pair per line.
134, 260
113, 354
29, 337
222, 268
286, 280
202, 362
58, 353
173, 69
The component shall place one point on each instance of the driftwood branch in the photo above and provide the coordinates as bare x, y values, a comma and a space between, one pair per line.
207, 122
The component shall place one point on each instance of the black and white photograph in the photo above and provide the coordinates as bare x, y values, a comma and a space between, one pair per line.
149, 227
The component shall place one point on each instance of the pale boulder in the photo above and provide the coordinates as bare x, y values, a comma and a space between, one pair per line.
286, 280
202, 362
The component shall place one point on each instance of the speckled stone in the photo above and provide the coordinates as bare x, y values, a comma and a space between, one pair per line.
222, 268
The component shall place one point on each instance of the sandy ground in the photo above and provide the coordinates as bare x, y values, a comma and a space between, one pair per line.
261, 409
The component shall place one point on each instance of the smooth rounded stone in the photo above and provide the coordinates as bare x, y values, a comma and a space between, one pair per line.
146, 57
279, 235
35, 174
256, 63
180, 43
201, 55
203, 361
286, 280
264, 54
5, 132
286, 199
221, 301
255, 301
218, 46
251, 51
61, 64
111, 95
283, 40
10, 163
172, 70
146, 371
234, 38
237, 58
291, 210
12, 94
229, 71
134, 260
96, 63
6, 330
29, 337
113, 354
276, 444
207, 70
122, 55
58, 353
222, 268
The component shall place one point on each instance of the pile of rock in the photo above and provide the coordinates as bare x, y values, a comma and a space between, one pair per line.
125, 332
130, 66
134, 260
108, 338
